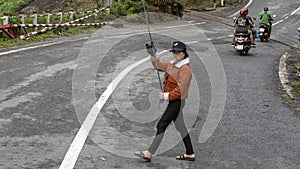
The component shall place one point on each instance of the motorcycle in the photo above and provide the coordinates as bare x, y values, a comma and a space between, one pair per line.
242, 43
263, 31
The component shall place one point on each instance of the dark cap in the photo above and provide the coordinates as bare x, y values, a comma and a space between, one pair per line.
178, 46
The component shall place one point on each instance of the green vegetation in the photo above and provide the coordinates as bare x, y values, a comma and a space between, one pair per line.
131, 9
296, 86
12, 6
6, 41
297, 65
207, 4
128, 7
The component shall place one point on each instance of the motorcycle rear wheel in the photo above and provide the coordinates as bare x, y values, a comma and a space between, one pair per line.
261, 38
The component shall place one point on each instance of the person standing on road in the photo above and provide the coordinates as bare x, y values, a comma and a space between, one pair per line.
177, 80
266, 18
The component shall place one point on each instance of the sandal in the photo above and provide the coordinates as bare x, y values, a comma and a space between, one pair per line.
142, 155
182, 157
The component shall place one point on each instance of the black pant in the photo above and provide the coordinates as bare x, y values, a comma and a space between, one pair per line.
172, 113
270, 28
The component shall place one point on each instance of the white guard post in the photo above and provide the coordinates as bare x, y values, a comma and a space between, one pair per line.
107, 9
48, 13
71, 12
22, 16
5, 18
60, 15
34, 16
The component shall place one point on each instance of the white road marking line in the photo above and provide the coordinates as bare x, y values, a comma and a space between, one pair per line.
250, 2
293, 13
38, 46
192, 42
138, 32
277, 22
220, 37
79, 140
179, 26
28, 48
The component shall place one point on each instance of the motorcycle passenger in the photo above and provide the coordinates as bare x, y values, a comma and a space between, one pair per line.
266, 18
254, 31
243, 24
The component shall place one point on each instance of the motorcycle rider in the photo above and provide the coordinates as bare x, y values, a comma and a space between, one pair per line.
266, 18
243, 24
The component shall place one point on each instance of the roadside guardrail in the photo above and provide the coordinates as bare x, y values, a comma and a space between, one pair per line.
10, 31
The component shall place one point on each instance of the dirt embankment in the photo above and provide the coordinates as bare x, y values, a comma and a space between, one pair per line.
55, 5
205, 4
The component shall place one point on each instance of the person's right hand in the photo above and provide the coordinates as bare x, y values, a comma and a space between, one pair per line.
151, 49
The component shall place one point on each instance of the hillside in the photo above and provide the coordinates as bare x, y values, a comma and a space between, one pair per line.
12, 6
43, 5
206, 4
54, 5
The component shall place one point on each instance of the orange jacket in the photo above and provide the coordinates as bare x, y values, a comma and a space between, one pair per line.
177, 78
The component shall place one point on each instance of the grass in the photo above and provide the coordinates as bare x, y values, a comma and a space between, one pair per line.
15, 5
7, 42
296, 86
12, 6
297, 65
201, 5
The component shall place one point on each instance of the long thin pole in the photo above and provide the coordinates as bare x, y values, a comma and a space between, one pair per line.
147, 21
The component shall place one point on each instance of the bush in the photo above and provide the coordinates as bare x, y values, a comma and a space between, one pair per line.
296, 86
297, 65
12, 6
202, 4
129, 7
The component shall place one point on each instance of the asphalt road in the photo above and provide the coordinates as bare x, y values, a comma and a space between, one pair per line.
59, 94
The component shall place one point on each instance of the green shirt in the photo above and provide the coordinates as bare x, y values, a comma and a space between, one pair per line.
265, 18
